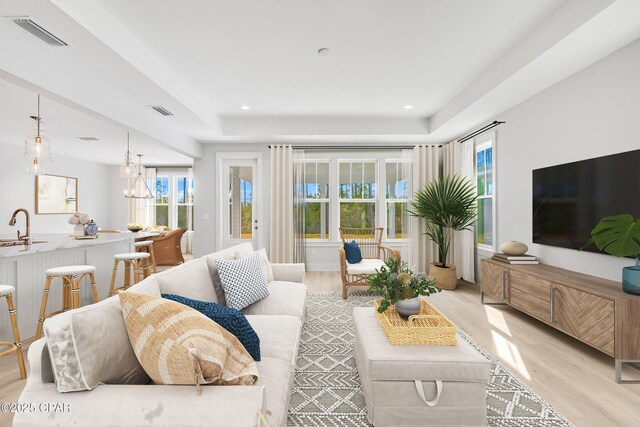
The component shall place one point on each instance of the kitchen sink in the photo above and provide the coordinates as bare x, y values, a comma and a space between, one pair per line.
16, 242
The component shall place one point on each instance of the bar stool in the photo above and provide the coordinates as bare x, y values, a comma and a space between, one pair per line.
132, 261
147, 246
72, 277
15, 346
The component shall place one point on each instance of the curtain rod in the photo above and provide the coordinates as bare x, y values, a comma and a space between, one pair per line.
354, 147
479, 131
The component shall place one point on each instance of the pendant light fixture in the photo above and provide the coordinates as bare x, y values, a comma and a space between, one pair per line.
128, 168
138, 189
37, 148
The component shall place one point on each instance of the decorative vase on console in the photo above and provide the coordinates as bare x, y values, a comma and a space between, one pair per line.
91, 228
619, 235
79, 220
399, 286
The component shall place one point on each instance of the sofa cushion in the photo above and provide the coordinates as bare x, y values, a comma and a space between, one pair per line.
366, 266
352, 252
230, 253
279, 336
243, 281
191, 280
179, 345
277, 377
264, 259
286, 298
148, 286
229, 318
89, 346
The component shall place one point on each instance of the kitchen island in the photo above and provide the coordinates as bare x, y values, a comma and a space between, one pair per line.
23, 267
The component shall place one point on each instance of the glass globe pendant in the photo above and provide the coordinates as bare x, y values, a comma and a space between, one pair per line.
128, 169
37, 148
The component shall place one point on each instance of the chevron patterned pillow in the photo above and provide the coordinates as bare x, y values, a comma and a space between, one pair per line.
229, 318
176, 344
243, 280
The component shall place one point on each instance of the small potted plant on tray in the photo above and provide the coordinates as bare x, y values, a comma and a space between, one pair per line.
398, 285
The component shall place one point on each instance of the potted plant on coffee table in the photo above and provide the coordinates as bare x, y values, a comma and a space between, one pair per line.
447, 205
619, 235
398, 285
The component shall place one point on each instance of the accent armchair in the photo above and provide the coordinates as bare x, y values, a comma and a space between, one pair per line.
374, 256
167, 247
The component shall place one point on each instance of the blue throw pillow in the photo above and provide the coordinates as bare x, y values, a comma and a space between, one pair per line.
229, 318
352, 250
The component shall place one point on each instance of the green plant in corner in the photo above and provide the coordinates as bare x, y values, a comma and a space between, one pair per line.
395, 281
619, 235
447, 204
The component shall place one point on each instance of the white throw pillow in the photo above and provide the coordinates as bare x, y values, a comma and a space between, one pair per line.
243, 281
266, 264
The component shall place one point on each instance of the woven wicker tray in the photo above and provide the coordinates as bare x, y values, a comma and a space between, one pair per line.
430, 327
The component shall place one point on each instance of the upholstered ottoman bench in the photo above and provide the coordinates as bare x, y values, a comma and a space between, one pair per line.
411, 385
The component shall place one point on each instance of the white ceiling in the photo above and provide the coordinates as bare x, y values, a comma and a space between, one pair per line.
460, 63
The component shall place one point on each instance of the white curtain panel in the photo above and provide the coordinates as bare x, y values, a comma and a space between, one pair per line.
299, 252
426, 168
458, 159
140, 209
282, 240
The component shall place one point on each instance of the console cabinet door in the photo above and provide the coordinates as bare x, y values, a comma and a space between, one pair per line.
530, 294
587, 317
493, 280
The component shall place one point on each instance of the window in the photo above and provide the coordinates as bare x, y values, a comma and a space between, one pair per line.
397, 194
174, 200
316, 199
162, 201
357, 194
484, 183
240, 202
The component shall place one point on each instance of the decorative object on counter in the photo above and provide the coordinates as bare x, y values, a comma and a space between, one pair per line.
619, 235
128, 168
515, 259
447, 204
56, 194
139, 188
37, 148
86, 237
79, 219
395, 282
514, 248
134, 228
91, 229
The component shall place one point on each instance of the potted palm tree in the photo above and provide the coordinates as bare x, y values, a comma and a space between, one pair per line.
619, 235
447, 204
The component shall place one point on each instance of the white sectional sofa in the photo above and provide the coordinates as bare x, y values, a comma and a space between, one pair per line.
277, 320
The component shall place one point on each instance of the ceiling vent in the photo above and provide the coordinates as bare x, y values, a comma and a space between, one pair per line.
88, 138
39, 32
160, 109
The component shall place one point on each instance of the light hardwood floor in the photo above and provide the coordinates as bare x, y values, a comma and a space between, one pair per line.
576, 379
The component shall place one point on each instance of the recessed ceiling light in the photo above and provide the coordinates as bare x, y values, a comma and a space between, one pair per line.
408, 107
325, 51
245, 107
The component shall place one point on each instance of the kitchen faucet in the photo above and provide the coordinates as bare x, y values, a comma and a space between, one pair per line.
26, 238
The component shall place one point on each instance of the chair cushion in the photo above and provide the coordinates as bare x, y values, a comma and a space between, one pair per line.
366, 266
243, 281
191, 280
230, 253
179, 345
89, 346
353, 252
279, 335
229, 318
286, 298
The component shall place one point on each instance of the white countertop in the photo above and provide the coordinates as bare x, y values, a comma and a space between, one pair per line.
64, 241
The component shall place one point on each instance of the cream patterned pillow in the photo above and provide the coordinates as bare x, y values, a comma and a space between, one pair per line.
176, 344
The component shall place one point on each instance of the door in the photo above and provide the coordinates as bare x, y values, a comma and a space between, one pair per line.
239, 202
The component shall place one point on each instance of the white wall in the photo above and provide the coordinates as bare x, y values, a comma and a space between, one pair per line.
118, 205
17, 190
593, 113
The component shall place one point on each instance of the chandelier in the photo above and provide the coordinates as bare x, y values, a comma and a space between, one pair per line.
37, 148
128, 168
139, 188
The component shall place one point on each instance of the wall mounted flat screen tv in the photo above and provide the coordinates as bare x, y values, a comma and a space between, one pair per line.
570, 199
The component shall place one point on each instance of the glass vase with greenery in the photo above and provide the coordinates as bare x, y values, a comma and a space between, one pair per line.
395, 281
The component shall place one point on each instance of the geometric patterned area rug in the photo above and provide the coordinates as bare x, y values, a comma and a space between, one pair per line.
327, 389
